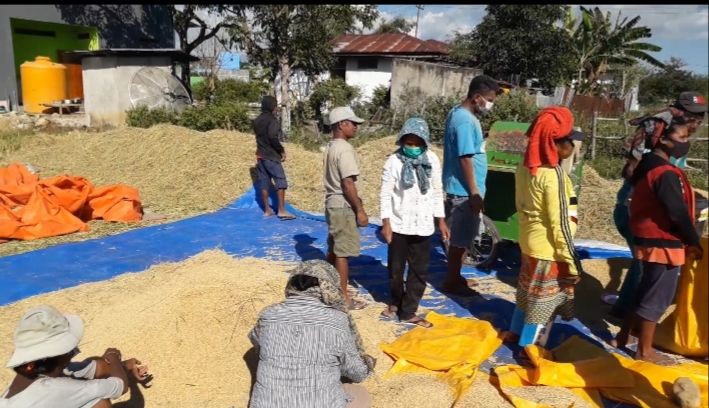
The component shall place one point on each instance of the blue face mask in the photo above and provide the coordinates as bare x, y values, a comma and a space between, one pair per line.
412, 151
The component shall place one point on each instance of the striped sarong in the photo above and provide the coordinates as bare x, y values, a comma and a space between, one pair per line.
541, 293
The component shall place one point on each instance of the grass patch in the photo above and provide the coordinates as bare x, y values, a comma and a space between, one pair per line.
12, 139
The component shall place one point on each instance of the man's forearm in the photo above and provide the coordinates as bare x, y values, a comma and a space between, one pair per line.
466, 165
349, 190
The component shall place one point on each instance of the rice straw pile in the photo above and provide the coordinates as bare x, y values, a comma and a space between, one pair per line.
596, 203
178, 171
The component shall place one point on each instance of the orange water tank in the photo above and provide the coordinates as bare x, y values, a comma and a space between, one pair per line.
74, 81
43, 81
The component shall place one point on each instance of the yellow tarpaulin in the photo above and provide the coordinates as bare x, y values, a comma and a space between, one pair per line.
453, 348
596, 372
686, 330
634, 382
513, 376
652, 386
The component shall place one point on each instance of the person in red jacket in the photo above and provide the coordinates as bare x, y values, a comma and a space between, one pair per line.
662, 224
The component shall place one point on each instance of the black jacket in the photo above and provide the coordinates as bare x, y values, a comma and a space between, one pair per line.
268, 134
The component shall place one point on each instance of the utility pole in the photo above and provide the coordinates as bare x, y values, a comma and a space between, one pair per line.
419, 7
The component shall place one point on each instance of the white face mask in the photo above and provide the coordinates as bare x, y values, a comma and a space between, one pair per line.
487, 107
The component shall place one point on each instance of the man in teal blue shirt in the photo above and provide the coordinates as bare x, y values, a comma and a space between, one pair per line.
464, 173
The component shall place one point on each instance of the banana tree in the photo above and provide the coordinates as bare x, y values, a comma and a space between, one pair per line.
599, 43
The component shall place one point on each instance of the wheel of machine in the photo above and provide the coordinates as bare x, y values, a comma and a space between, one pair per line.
482, 252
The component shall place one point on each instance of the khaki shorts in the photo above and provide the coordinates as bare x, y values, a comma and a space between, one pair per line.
343, 235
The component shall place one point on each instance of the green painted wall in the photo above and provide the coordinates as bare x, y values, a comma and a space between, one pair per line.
196, 80
34, 38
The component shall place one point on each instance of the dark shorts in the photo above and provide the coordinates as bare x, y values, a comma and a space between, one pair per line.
656, 291
271, 170
464, 226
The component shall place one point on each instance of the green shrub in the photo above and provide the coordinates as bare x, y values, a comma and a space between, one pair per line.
380, 98
333, 91
229, 116
233, 90
229, 91
200, 91
436, 112
433, 109
144, 117
516, 106
301, 112
307, 140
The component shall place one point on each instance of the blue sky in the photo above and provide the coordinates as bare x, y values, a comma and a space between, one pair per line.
681, 30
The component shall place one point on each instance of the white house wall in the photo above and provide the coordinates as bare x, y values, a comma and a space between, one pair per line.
368, 79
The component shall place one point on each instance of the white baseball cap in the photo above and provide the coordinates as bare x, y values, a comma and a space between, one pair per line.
44, 332
343, 113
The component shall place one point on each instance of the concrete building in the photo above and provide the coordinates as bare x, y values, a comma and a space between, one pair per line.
107, 105
366, 61
419, 80
28, 30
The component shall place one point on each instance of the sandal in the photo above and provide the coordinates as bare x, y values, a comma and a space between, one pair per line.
419, 321
389, 312
286, 217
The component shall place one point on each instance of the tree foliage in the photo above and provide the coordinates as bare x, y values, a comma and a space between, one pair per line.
523, 40
599, 43
395, 25
461, 49
664, 85
286, 37
331, 93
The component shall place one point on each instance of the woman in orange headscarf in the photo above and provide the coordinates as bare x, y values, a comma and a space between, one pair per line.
546, 207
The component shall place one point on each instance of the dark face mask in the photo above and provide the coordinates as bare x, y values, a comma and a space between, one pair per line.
679, 150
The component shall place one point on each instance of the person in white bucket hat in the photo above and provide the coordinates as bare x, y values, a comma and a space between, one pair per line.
45, 342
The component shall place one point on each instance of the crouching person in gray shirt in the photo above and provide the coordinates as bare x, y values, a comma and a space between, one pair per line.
45, 342
307, 343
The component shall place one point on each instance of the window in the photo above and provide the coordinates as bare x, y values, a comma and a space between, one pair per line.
83, 36
368, 63
339, 68
29, 31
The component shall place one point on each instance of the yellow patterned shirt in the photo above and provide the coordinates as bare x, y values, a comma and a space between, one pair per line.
547, 210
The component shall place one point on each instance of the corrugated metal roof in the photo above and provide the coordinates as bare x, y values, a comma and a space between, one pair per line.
386, 44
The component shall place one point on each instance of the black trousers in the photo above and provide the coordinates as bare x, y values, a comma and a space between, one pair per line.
416, 251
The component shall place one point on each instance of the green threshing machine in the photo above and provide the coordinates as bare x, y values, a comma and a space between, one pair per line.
505, 146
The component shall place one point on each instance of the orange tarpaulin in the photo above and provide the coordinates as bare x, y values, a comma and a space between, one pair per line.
31, 208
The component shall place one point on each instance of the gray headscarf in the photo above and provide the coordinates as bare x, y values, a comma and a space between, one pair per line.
419, 166
328, 291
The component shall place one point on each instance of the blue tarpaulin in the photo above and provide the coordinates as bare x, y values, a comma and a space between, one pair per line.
241, 230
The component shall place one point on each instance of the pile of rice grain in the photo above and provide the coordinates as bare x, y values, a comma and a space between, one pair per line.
189, 322
181, 172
